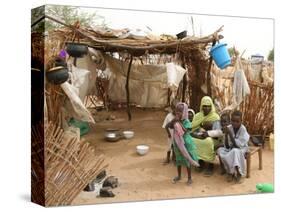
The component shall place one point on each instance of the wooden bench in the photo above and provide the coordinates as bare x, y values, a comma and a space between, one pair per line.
252, 150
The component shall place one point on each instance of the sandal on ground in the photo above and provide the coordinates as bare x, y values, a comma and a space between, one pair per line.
189, 182
176, 179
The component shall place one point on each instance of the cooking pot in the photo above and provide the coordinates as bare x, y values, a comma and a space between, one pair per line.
76, 49
57, 75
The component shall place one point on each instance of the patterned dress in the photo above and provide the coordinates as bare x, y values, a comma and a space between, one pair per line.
189, 145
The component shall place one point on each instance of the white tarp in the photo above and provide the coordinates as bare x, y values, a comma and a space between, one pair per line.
175, 74
80, 78
75, 106
240, 86
148, 84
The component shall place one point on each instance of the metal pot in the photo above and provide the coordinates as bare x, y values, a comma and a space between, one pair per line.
112, 136
76, 49
57, 75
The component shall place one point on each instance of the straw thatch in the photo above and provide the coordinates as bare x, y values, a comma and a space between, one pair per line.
138, 47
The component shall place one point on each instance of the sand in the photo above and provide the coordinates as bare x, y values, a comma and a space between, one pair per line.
145, 178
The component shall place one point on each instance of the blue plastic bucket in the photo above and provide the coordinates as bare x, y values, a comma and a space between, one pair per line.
220, 55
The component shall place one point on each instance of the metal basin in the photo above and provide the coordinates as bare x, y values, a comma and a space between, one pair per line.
111, 136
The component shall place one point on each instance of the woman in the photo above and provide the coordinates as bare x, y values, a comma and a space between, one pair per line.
206, 120
184, 147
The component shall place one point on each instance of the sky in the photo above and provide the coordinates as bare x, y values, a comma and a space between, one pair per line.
255, 35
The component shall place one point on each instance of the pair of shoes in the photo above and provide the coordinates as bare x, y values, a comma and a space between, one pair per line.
176, 179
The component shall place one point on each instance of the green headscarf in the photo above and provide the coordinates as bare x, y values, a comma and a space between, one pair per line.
200, 118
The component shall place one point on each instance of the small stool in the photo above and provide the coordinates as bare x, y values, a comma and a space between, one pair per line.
252, 150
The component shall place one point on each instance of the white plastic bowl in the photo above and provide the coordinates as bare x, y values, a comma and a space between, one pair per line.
128, 134
142, 149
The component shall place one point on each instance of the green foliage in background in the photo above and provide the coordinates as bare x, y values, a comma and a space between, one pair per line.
232, 50
270, 56
67, 14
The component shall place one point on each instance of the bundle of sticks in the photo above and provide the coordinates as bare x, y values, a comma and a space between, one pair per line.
258, 109
66, 165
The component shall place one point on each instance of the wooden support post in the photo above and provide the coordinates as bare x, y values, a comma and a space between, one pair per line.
184, 86
169, 97
248, 159
260, 158
209, 90
127, 89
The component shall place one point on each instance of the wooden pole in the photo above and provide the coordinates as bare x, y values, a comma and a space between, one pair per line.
127, 89
184, 86
209, 90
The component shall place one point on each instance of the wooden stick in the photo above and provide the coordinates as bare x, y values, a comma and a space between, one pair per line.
209, 89
128, 90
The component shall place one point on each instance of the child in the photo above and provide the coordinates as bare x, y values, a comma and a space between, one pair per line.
232, 155
191, 114
184, 147
170, 116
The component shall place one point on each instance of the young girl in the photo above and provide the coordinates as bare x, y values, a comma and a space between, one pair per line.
232, 155
184, 147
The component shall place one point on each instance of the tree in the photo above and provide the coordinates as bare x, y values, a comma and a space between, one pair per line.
36, 13
270, 56
233, 52
67, 14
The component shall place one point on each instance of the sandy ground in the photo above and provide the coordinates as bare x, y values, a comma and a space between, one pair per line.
145, 178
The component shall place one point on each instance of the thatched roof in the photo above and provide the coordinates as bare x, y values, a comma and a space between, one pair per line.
137, 47
191, 52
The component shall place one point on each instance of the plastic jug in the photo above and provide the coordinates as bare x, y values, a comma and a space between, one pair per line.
265, 188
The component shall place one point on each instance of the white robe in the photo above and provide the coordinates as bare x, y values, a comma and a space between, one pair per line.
235, 156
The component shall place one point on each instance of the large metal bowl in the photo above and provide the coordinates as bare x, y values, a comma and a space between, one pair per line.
111, 136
